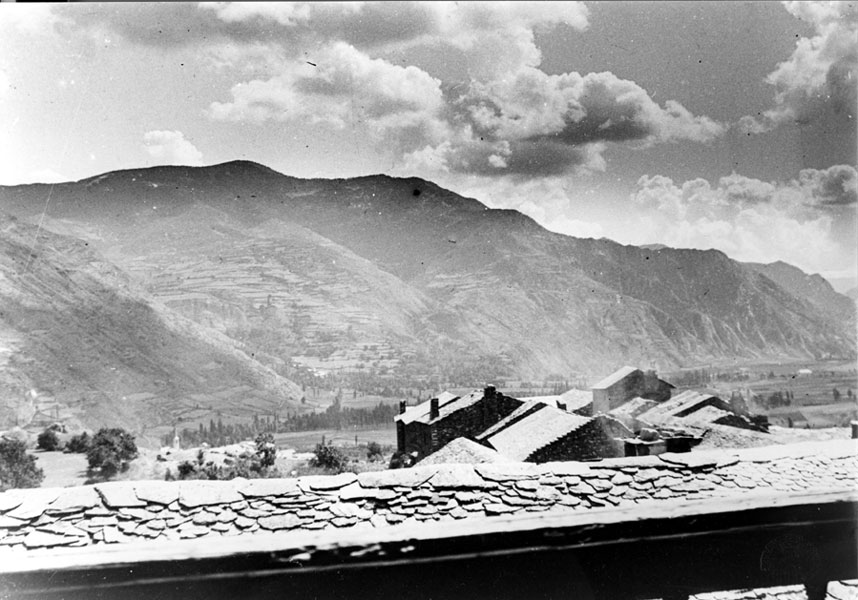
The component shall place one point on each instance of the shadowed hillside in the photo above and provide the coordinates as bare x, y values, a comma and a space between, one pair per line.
79, 341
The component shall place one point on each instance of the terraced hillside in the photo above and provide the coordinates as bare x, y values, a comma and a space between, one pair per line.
416, 279
79, 341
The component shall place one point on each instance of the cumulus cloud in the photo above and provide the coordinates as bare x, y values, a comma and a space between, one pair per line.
822, 71
171, 148
753, 220
333, 64
343, 85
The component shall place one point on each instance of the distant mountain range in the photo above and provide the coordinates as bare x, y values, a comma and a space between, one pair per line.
238, 275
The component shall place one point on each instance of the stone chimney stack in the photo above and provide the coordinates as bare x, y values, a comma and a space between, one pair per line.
401, 407
433, 409
490, 392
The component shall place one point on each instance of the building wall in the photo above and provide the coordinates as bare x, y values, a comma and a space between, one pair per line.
637, 383
472, 420
426, 438
590, 441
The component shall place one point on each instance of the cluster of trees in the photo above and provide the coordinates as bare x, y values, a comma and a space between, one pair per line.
335, 417
108, 453
776, 399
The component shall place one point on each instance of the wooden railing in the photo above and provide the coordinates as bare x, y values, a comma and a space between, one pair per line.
658, 550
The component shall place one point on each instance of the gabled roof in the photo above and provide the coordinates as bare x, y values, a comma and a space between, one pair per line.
576, 399
463, 451
633, 408
614, 377
421, 411
675, 406
536, 430
530, 405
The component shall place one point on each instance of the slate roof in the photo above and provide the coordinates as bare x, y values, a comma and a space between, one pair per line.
463, 451
421, 411
676, 405
529, 406
614, 377
633, 408
576, 399
546, 424
119, 512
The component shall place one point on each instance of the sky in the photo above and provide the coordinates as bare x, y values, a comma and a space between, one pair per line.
726, 125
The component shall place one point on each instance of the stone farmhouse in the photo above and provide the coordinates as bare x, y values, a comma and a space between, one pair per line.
631, 412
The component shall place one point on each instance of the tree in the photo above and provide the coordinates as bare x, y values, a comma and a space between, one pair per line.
374, 451
836, 393
110, 453
79, 444
17, 468
329, 458
266, 450
48, 440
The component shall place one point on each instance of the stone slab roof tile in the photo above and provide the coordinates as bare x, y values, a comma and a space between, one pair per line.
8, 502
158, 492
77, 499
440, 493
119, 494
193, 494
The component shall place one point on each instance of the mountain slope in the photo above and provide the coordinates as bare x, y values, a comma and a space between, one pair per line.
401, 276
78, 340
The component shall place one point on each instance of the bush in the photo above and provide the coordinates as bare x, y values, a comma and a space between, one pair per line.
110, 452
48, 440
402, 460
17, 468
79, 444
266, 450
374, 452
329, 458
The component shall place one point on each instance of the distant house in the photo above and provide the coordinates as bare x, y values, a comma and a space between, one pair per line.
789, 419
427, 427
804, 372
539, 432
627, 383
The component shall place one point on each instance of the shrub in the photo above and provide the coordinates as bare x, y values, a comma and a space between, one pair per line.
79, 444
402, 460
329, 458
266, 450
110, 452
374, 451
17, 468
48, 440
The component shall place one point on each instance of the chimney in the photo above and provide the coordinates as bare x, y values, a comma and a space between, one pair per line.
489, 391
433, 409
854, 429
401, 407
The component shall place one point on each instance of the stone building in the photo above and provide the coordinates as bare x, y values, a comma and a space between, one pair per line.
627, 383
429, 426
538, 432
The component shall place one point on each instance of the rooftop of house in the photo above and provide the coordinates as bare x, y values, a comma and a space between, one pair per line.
537, 429
32, 521
529, 405
676, 405
633, 407
420, 412
576, 399
709, 414
615, 377
463, 451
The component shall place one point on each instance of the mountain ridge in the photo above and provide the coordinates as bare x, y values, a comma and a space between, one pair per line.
486, 286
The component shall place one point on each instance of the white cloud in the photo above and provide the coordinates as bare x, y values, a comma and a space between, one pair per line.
822, 70
753, 220
343, 85
171, 148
